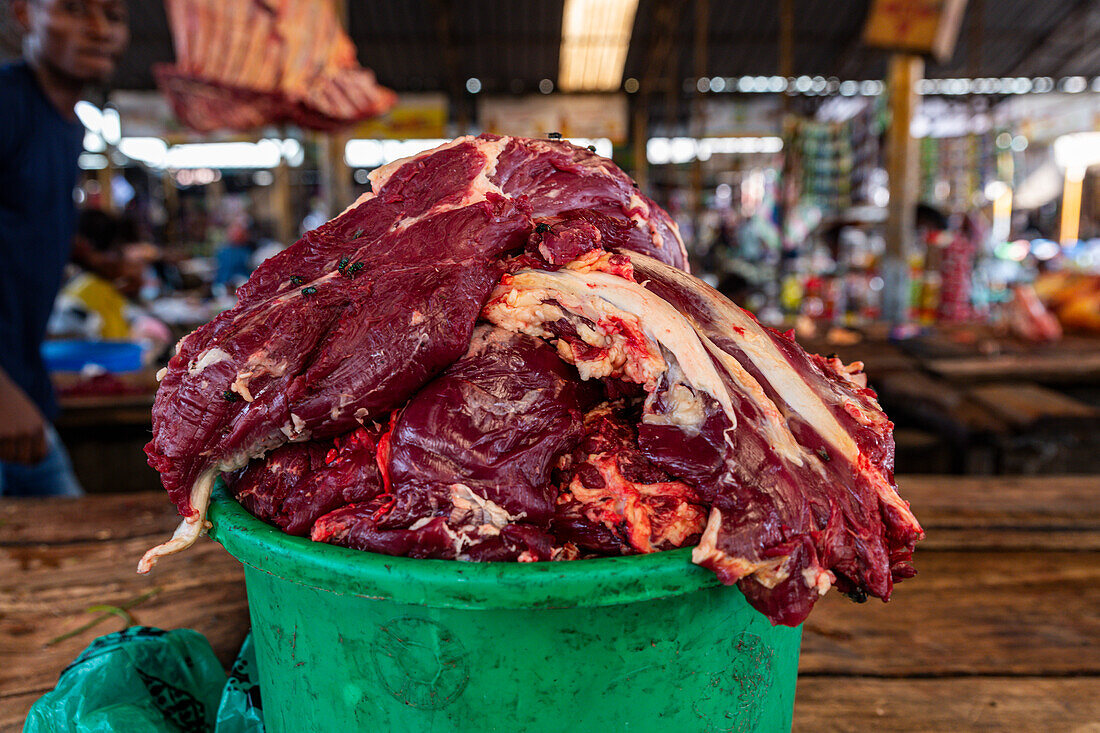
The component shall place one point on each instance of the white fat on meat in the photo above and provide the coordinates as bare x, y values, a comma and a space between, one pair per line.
530, 298
481, 184
597, 295
193, 527
258, 365
240, 386
768, 572
190, 529
474, 512
476, 191
518, 305
212, 355
790, 385
639, 212
819, 579
707, 551
852, 373
381, 175
685, 409
295, 430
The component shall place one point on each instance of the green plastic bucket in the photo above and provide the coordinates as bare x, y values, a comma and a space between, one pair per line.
350, 641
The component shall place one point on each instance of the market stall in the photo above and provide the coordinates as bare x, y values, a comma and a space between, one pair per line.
626, 348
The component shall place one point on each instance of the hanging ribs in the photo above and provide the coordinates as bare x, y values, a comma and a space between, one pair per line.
241, 64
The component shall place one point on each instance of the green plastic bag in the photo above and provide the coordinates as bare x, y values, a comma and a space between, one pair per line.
240, 710
147, 680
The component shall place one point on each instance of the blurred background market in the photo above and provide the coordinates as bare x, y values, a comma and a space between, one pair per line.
910, 184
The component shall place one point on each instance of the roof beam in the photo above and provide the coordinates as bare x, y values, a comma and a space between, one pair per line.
660, 47
1062, 42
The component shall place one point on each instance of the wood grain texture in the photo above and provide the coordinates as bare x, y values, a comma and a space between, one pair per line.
1026, 406
858, 705
1051, 367
999, 630
967, 613
13, 711
46, 591
1050, 504
1006, 512
101, 518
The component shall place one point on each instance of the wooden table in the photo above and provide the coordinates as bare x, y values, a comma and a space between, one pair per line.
1000, 631
969, 400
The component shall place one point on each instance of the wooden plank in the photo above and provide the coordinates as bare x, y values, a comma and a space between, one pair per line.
931, 399
1051, 367
1064, 499
999, 513
968, 618
45, 592
856, 705
1025, 405
102, 517
967, 613
13, 711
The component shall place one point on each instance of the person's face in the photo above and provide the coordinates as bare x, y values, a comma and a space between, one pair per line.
80, 39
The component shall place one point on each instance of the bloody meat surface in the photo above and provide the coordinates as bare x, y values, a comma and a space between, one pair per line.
498, 354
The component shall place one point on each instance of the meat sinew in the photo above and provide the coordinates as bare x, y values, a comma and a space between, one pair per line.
608, 402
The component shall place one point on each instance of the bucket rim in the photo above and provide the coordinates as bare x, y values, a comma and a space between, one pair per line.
604, 581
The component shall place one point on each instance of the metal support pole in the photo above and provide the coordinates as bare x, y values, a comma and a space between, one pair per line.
640, 137
698, 115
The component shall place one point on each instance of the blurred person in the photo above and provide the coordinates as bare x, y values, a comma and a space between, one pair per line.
67, 46
100, 298
234, 255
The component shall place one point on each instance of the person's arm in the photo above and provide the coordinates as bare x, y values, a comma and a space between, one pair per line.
22, 429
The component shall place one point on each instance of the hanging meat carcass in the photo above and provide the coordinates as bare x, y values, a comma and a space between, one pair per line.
241, 64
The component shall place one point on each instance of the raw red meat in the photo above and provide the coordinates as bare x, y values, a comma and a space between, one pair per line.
664, 415
791, 453
241, 64
347, 323
474, 448
614, 500
297, 483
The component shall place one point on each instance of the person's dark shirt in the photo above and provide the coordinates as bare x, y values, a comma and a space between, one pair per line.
38, 171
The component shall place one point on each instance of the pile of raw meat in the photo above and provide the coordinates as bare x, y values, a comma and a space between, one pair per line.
497, 354
241, 64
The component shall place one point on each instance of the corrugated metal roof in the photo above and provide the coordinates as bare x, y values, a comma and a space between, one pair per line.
433, 44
